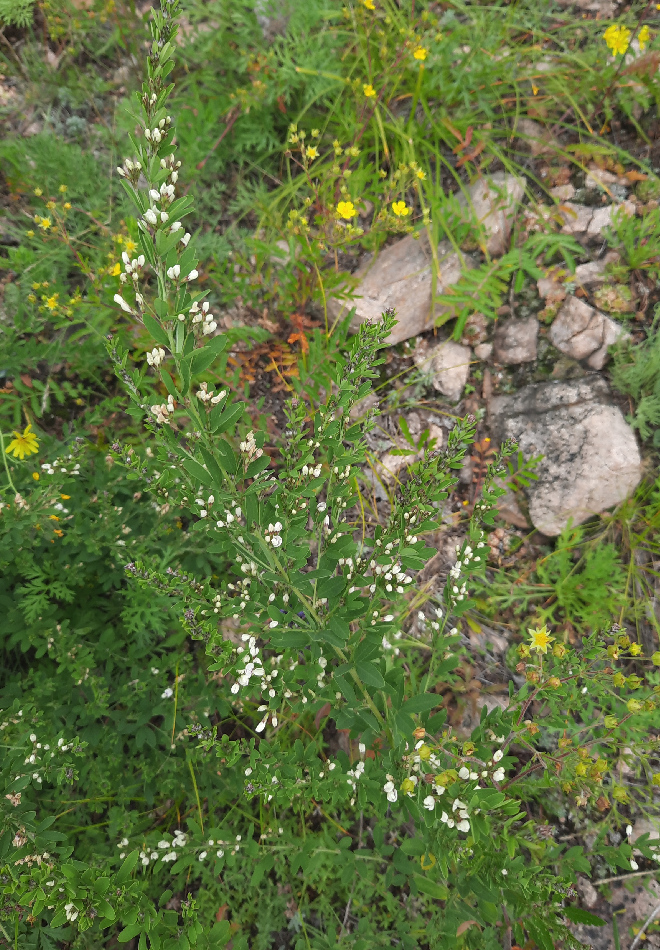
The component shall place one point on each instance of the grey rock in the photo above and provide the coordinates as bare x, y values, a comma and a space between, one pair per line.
493, 200
563, 192
515, 341
588, 275
401, 277
448, 363
483, 351
581, 219
539, 139
583, 333
591, 458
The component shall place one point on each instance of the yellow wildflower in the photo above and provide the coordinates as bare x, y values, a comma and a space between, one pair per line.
400, 209
51, 302
540, 639
50, 205
116, 270
617, 38
420, 53
32, 298
24, 443
38, 192
421, 175
30, 233
130, 246
644, 37
45, 223
67, 205
35, 476
62, 188
36, 285
369, 4
346, 210
369, 90
311, 152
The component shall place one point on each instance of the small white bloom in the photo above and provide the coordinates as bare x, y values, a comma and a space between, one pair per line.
498, 776
122, 303
429, 802
167, 693
193, 275
464, 773
498, 755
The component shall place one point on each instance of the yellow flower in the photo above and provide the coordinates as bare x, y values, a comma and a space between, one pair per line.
67, 205
421, 175
400, 209
51, 303
116, 270
62, 188
311, 152
130, 245
50, 205
30, 233
420, 53
38, 192
36, 286
32, 298
369, 4
346, 210
617, 38
35, 476
644, 37
45, 223
540, 639
24, 444
369, 90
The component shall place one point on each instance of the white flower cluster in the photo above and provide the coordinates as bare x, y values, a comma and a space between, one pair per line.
393, 575
162, 412
254, 669
243, 586
42, 753
272, 535
455, 572
313, 471
178, 226
205, 395
57, 467
156, 356
229, 518
209, 324
204, 505
155, 136
390, 789
131, 267
126, 307
463, 822
71, 912
354, 775
249, 447
127, 169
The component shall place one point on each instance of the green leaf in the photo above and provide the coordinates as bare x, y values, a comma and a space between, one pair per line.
155, 329
414, 846
578, 916
227, 456
124, 871
257, 466
212, 466
370, 674
198, 472
201, 359
422, 703
222, 420
432, 888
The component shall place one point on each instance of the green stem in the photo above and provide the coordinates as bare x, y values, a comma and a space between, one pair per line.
4, 459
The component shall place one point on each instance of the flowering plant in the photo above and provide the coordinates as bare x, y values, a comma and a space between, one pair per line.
309, 610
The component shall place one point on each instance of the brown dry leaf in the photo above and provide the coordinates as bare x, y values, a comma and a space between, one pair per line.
466, 926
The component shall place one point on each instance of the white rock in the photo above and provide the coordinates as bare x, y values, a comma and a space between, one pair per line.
587, 275
448, 364
515, 341
401, 277
584, 333
539, 139
483, 351
563, 192
591, 458
577, 218
493, 200
602, 217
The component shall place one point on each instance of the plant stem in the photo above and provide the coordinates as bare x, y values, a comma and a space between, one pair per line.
4, 459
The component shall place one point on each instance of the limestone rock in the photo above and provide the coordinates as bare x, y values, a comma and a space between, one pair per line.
588, 275
583, 333
493, 200
563, 192
483, 351
591, 458
515, 341
449, 365
401, 277
590, 222
539, 140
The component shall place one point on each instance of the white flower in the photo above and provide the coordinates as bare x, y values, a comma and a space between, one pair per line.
185, 239
498, 755
464, 773
122, 303
504, 872
276, 541
173, 272
155, 357
176, 226
150, 216
498, 776
390, 791
70, 911
170, 856
167, 693
221, 853
429, 802
463, 825
193, 275
202, 855
321, 506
